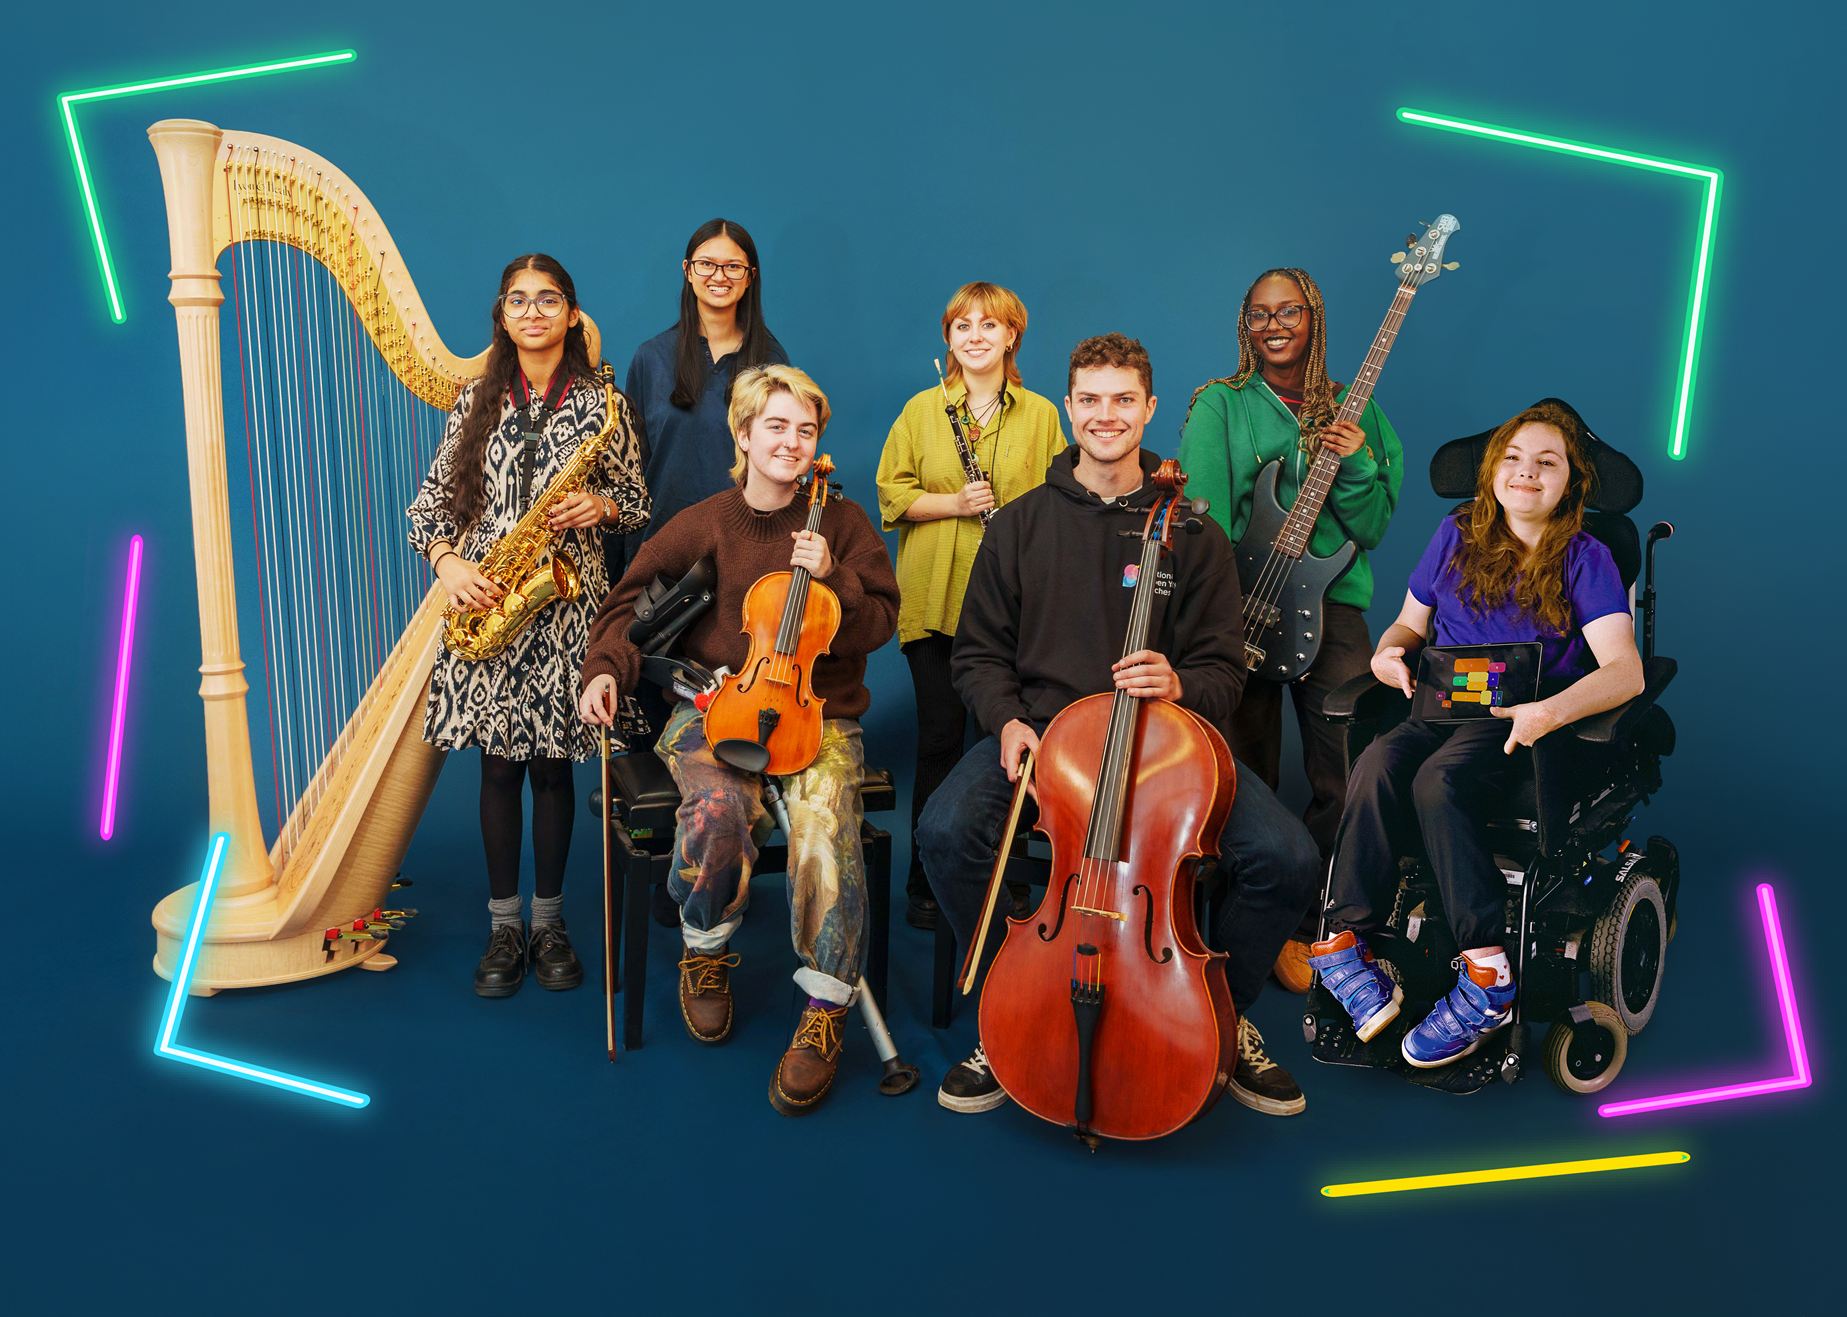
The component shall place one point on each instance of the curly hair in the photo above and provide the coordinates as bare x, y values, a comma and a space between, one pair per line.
468, 498
1492, 564
1318, 391
1117, 350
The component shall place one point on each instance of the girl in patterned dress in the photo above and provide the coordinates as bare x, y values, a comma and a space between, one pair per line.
519, 705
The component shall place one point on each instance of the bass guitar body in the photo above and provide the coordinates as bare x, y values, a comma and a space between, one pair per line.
1104, 1010
772, 700
1282, 633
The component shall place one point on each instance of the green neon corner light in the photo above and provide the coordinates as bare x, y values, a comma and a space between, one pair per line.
1702, 265
67, 101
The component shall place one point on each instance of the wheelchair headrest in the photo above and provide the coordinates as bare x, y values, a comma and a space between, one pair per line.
1619, 481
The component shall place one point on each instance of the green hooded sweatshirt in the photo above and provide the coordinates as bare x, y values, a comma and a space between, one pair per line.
1235, 430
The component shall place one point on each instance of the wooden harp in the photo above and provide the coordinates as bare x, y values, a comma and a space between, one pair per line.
340, 386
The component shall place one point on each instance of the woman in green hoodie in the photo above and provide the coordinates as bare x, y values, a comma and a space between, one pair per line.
1280, 406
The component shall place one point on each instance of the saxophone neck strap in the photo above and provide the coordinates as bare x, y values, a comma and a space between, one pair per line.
536, 407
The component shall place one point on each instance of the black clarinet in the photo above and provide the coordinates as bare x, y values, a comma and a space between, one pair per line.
971, 470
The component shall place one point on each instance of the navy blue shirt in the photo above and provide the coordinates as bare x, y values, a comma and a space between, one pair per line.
686, 455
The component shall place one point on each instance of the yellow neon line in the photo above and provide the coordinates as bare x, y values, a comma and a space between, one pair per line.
1505, 1173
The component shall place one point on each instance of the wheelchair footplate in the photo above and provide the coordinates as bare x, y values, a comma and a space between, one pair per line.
1336, 1044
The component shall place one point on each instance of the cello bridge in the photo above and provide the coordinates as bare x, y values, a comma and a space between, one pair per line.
1088, 910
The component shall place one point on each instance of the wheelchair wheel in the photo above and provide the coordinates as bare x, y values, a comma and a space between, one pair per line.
1627, 949
1586, 1065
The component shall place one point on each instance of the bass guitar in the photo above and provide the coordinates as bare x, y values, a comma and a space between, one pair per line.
1285, 586
769, 710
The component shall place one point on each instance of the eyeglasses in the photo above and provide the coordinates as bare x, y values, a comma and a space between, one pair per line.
1287, 316
546, 304
733, 270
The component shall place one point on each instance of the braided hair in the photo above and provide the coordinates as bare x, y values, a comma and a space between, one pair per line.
1318, 391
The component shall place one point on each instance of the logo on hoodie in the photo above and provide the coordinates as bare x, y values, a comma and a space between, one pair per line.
1163, 580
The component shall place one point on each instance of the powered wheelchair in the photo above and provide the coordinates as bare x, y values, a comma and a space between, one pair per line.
1589, 915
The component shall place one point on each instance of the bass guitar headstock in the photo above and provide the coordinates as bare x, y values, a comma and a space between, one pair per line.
1422, 259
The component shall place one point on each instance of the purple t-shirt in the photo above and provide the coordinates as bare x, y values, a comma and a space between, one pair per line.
1592, 586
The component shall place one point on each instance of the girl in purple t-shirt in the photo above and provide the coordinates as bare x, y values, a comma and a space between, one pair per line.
1515, 565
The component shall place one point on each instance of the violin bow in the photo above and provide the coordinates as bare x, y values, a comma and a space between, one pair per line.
609, 934
996, 881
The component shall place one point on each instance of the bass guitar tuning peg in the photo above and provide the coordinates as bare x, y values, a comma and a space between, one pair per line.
1397, 258
1452, 265
1410, 240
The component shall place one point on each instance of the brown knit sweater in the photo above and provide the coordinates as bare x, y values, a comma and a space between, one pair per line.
746, 544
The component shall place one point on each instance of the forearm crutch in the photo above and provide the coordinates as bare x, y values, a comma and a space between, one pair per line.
899, 1076
609, 928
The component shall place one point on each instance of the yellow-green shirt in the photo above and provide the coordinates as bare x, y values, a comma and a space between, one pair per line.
935, 557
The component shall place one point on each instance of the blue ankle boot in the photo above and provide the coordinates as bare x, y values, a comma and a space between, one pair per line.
1457, 1024
1348, 970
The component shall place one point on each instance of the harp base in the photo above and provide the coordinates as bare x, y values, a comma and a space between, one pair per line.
239, 951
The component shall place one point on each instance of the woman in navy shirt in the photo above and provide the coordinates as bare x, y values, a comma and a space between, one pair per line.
680, 380
1516, 565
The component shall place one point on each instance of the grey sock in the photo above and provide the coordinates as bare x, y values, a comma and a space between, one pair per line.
548, 910
505, 910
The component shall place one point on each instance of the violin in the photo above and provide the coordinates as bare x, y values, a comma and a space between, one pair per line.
1103, 1011
767, 718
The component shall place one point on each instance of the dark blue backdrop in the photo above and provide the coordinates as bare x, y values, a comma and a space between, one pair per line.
1124, 167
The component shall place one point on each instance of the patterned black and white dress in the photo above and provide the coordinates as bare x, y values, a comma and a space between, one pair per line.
522, 703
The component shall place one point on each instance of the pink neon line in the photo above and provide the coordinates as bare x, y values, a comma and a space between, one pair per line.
113, 775
1792, 1032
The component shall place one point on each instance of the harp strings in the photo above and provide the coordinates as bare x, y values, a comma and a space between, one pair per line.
335, 449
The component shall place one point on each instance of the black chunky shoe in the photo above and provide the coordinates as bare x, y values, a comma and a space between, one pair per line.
554, 965
971, 1086
921, 912
503, 964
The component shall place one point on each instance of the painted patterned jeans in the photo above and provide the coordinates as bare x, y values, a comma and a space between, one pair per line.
721, 821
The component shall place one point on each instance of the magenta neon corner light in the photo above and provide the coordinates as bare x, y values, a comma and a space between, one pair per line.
1800, 1076
125, 652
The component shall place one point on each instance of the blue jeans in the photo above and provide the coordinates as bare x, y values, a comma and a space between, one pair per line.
1275, 867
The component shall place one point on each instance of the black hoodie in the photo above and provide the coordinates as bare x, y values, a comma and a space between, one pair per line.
1047, 607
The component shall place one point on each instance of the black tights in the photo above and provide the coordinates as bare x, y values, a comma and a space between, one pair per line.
554, 810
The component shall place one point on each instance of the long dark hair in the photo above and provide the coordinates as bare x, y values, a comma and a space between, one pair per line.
1318, 391
468, 499
689, 370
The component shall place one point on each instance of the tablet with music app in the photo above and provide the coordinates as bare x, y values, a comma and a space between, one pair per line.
1457, 683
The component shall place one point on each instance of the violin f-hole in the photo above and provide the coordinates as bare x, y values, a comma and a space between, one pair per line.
1167, 953
1064, 899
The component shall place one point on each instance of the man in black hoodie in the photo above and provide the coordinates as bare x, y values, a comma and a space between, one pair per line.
1042, 625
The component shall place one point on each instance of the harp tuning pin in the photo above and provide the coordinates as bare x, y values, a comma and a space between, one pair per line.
1452, 265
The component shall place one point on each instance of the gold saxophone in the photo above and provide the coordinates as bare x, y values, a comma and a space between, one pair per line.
522, 562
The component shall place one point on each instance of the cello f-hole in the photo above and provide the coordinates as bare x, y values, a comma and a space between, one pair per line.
1167, 953
1064, 899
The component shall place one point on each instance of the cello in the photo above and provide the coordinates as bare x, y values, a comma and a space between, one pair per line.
767, 718
1104, 1011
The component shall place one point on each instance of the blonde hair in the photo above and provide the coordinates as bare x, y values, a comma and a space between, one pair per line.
1001, 303
751, 393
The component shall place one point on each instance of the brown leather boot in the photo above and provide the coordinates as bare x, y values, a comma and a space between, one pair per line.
1292, 969
705, 995
806, 1071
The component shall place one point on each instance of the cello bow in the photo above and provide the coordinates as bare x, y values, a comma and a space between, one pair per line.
994, 883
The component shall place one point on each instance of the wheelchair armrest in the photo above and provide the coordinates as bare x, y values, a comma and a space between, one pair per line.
668, 673
1364, 697
1616, 724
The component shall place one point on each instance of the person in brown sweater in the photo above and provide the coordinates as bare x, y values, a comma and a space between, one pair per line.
777, 417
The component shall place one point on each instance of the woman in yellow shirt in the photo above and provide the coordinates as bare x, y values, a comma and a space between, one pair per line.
936, 510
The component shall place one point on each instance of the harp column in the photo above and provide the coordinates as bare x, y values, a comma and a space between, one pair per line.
188, 151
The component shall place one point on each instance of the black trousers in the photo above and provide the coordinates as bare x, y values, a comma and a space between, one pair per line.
942, 722
1257, 724
1424, 783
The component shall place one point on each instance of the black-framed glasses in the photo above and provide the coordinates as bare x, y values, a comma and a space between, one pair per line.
734, 270
1286, 316
546, 304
